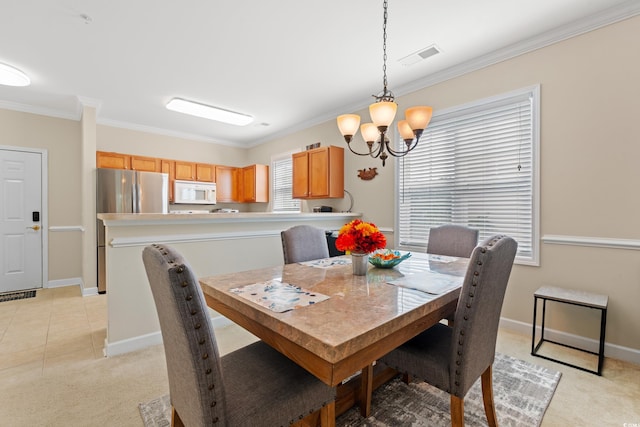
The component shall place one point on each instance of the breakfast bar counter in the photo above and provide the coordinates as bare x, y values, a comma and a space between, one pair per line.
213, 243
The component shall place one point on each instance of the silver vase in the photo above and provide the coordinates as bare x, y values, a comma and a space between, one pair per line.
360, 263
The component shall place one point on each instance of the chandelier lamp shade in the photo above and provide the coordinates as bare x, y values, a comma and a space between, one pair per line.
383, 113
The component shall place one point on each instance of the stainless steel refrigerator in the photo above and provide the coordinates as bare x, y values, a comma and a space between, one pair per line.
127, 191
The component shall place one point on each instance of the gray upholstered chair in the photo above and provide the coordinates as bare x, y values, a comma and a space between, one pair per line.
252, 386
303, 243
452, 240
453, 358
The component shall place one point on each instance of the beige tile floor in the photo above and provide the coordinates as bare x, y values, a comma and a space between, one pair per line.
53, 373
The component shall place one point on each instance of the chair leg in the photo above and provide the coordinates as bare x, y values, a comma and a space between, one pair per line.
457, 411
328, 415
406, 378
487, 397
366, 389
175, 418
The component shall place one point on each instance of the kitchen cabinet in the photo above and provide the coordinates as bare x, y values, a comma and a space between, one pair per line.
318, 173
205, 172
169, 167
227, 184
112, 160
233, 184
191, 171
254, 184
185, 170
146, 164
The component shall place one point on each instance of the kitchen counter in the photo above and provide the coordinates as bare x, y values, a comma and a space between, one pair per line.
212, 243
178, 218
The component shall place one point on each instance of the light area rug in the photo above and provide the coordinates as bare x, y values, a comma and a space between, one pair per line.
522, 393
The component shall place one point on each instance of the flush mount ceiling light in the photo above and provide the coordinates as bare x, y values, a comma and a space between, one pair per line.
382, 113
11, 76
209, 112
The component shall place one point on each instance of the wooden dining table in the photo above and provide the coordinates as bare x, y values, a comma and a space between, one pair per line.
338, 339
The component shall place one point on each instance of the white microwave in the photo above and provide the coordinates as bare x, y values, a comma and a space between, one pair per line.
194, 192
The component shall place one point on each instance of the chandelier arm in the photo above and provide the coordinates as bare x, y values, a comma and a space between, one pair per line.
370, 153
397, 153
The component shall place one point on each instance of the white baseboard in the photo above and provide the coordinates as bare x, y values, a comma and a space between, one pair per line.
90, 292
132, 344
154, 338
72, 281
610, 350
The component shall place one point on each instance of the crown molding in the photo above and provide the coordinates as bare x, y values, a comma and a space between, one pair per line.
165, 132
41, 111
610, 16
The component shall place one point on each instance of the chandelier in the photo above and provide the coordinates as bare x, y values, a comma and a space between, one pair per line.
383, 112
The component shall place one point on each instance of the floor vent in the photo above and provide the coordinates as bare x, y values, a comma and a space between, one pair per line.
12, 296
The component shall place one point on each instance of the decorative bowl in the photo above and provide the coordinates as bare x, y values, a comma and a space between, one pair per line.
387, 258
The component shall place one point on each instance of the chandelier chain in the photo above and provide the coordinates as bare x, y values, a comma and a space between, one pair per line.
384, 49
382, 112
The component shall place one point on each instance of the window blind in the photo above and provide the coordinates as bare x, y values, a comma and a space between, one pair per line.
282, 182
474, 166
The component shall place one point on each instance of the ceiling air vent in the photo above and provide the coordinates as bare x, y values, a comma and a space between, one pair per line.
418, 56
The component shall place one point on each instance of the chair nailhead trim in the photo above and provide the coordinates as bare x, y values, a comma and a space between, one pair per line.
474, 283
177, 266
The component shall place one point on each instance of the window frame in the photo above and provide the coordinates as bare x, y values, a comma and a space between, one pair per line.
277, 158
472, 107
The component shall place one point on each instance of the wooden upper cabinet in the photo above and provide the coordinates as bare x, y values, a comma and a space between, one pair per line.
249, 184
226, 184
190, 171
185, 170
146, 164
319, 173
112, 160
255, 184
205, 172
300, 175
169, 167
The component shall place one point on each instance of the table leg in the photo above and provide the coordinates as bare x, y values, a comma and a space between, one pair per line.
366, 389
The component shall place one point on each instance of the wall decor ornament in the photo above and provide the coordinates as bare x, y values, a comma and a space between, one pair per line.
367, 174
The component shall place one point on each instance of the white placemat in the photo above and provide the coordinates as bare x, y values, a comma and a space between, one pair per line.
327, 262
429, 282
278, 296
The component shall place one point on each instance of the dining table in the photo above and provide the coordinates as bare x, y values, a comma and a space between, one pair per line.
336, 324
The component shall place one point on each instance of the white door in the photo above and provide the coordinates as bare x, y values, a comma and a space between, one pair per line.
20, 220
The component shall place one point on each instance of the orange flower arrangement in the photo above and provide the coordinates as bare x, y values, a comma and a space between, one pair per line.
360, 237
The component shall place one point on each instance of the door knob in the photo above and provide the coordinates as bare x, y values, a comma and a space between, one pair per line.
35, 227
